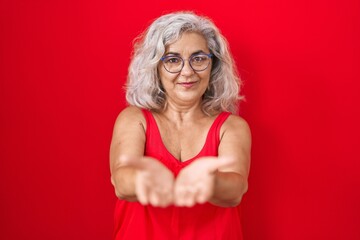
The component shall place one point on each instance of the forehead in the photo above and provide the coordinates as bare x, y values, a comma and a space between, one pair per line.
188, 43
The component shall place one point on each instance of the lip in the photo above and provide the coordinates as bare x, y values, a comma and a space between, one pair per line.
187, 84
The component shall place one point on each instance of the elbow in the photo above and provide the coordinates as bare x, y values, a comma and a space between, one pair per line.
226, 203
117, 190
238, 194
121, 193
230, 202
233, 202
121, 196
236, 200
231, 196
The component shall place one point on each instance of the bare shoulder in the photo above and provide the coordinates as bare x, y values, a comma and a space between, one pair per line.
129, 129
129, 116
236, 142
131, 112
236, 124
129, 135
234, 131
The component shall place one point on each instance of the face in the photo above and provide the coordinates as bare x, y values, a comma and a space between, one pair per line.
187, 86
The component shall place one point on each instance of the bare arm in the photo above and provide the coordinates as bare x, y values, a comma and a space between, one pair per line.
231, 180
136, 177
128, 140
220, 180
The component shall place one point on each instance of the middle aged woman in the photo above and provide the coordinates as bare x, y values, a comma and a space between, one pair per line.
180, 155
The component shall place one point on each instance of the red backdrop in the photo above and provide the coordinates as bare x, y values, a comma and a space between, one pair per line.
62, 67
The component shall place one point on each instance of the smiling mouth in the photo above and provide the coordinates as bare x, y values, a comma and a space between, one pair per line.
187, 84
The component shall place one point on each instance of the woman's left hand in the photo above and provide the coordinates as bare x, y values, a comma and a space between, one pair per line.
195, 183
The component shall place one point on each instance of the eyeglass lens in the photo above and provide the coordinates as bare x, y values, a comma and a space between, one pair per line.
174, 64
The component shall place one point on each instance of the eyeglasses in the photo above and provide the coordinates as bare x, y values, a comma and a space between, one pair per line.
198, 62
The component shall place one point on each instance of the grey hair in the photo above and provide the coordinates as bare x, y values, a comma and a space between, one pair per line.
143, 88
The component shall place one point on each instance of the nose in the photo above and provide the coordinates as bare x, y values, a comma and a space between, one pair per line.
187, 69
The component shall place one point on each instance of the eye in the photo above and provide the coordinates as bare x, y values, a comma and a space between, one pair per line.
172, 60
198, 59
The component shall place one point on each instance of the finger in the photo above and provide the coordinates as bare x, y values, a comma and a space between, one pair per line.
169, 199
185, 196
199, 196
166, 197
202, 197
189, 198
179, 195
160, 192
154, 198
165, 200
205, 191
141, 190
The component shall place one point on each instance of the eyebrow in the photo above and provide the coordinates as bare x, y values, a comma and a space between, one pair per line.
178, 54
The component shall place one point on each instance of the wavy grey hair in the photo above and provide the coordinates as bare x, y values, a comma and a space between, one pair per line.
144, 89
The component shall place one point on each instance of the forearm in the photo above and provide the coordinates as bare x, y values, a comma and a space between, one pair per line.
229, 188
123, 179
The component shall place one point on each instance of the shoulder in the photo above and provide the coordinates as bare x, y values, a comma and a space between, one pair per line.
236, 125
131, 111
130, 116
234, 121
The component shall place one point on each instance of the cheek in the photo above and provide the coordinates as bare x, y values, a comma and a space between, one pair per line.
166, 77
206, 77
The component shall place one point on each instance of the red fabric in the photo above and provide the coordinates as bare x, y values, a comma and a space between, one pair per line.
203, 221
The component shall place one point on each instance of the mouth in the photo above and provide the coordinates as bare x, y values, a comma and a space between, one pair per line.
187, 84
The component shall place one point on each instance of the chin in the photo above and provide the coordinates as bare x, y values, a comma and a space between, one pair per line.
189, 97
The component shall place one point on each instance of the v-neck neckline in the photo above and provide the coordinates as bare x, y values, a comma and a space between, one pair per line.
188, 161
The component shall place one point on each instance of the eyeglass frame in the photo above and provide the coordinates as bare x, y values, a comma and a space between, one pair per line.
209, 55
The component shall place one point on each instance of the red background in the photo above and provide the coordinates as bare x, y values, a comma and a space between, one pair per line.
62, 67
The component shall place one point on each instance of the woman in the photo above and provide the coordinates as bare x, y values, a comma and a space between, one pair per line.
179, 156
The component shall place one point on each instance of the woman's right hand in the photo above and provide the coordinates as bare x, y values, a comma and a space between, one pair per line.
153, 181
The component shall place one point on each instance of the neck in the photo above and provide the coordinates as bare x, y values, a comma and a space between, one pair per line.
182, 113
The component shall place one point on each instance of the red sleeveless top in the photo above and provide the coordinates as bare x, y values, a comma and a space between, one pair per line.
134, 221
